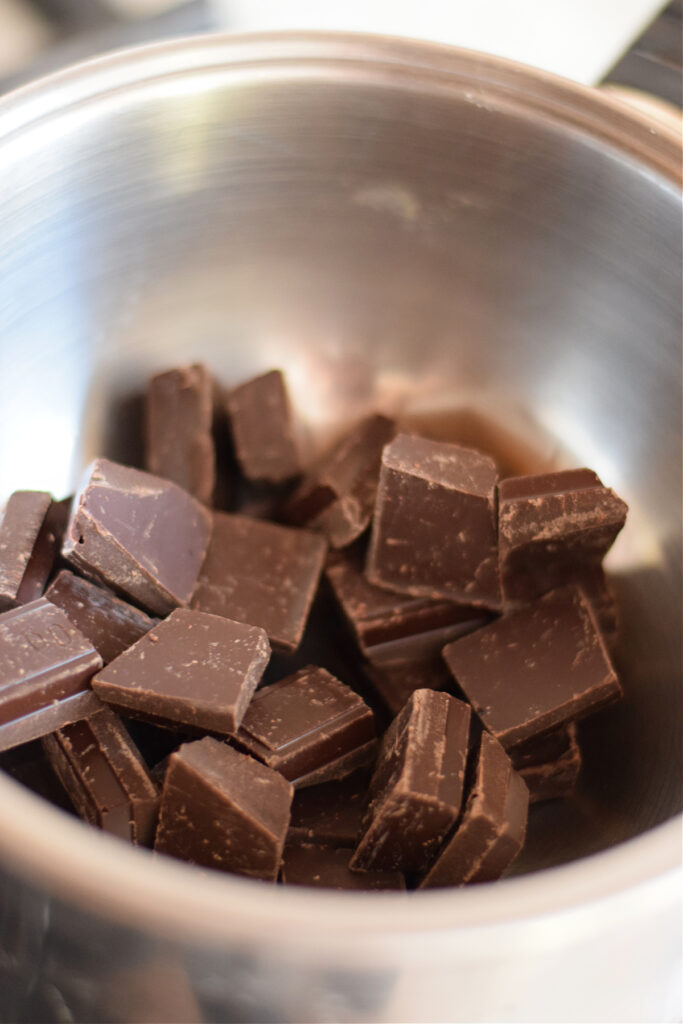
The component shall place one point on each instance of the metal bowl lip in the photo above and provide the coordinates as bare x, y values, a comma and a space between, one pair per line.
599, 114
101, 874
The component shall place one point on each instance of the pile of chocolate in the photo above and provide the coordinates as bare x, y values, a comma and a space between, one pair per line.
472, 615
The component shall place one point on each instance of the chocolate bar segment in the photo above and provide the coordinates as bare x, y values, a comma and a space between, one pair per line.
310, 727
400, 636
179, 441
112, 625
221, 809
434, 531
45, 671
551, 527
493, 825
105, 776
535, 669
262, 428
337, 496
416, 790
549, 765
330, 814
261, 573
140, 535
27, 548
197, 669
379, 617
327, 867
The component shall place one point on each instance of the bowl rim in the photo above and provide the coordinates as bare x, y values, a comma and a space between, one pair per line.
130, 885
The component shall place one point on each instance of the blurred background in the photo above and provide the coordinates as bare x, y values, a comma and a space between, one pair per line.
632, 45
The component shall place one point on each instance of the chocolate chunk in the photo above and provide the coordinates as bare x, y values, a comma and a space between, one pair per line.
197, 669
330, 814
493, 825
179, 415
337, 496
45, 671
379, 617
140, 535
263, 428
549, 765
27, 548
434, 528
105, 776
536, 668
551, 527
222, 809
110, 624
401, 636
416, 790
261, 573
327, 867
310, 727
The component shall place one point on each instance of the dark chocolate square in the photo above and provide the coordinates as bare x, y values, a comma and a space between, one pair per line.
197, 669
337, 496
553, 527
535, 669
309, 726
416, 790
223, 810
179, 440
263, 429
140, 535
493, 826
434, 531
45, 670
263, 574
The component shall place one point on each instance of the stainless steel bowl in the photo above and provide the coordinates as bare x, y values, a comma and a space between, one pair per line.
395, 224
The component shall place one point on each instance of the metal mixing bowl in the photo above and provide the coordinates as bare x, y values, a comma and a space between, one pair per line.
488, 249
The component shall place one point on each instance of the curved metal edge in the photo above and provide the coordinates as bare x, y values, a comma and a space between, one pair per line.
189, 903
601, 116
169, 898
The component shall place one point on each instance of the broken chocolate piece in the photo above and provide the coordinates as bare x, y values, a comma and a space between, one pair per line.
434, 528
379, 617
179, 442
536, 668
197, 669
263, 428
327, 867
261, 573
337, 496
105, 776
493, 825
401, 636
416, 790
224, 810
549, 765
330, 814
551, 527
510, 840
27, 548
140, 535
45, 671
310, 727
112, 625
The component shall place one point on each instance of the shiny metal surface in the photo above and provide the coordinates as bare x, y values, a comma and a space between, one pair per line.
496, 254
